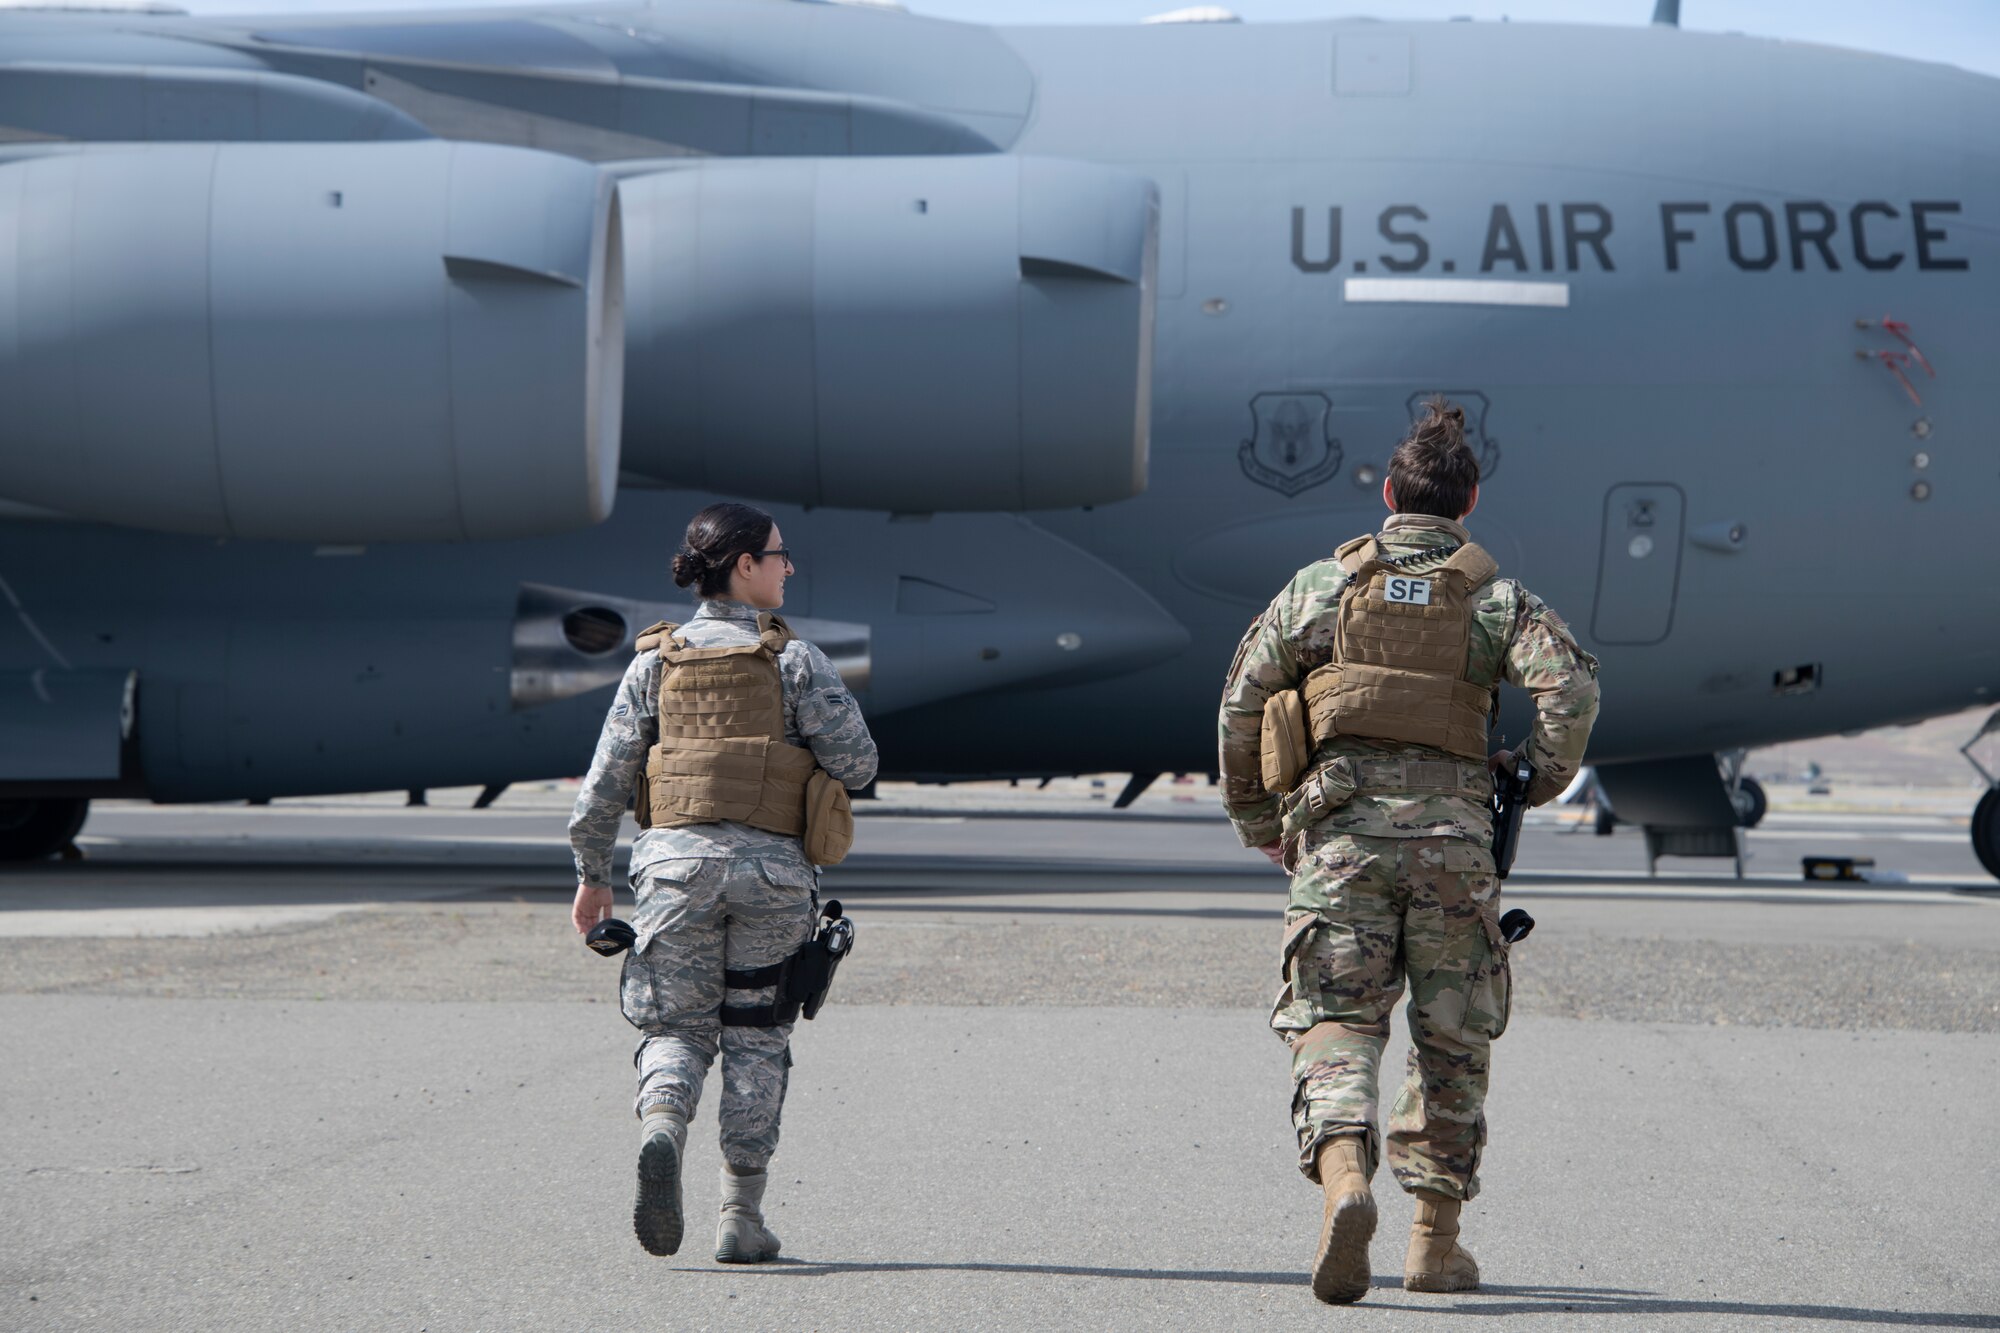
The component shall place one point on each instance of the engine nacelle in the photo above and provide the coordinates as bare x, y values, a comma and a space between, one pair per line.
910, 333
320, 342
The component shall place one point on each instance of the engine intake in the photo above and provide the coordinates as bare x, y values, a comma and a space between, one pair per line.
321, 342
915, 334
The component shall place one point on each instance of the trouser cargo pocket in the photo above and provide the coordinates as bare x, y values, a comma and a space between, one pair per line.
1297, 1007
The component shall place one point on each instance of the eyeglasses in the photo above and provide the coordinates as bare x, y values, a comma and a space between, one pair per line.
784, 553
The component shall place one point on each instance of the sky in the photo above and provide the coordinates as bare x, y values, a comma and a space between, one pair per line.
1959, 32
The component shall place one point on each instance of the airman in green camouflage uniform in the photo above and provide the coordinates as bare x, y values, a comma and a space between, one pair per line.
1395, 881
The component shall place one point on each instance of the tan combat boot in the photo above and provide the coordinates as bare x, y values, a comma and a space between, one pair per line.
1340, 1269
1436, 1261
656, 1215
741, 1236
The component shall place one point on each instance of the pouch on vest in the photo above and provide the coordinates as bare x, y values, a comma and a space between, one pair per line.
1324, 791
829, 820
1285, 747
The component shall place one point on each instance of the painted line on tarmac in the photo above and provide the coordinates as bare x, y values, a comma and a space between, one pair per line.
1763, 893
1851, 834
907, 866
166, 922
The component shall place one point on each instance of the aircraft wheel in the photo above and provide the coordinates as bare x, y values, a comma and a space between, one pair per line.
31, 830
1606, 821
1986, 831
1751, 803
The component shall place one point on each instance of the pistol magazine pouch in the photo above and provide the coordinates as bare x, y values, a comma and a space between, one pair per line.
722, 753
1285, 749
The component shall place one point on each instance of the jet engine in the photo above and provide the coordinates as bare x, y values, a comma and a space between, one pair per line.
322, 342
906, 333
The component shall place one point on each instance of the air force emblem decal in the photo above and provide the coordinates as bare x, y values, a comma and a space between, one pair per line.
1291, 447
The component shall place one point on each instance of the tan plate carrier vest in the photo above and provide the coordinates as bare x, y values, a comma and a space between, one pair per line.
1399, 666
722, 753
1400, 657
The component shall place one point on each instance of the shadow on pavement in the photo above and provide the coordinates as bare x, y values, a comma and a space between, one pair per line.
790, 1267
1490, 1299
1610, 1301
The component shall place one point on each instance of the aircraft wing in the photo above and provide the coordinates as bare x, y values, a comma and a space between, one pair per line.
709, 78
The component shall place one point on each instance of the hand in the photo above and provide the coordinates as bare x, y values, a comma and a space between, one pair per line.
1274, 850
1500, 761
591, 907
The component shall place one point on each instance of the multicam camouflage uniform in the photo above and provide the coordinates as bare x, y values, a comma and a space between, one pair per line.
1394, 884
711, 895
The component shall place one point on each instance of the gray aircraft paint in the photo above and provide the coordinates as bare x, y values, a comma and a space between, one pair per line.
1715, 213
313, 341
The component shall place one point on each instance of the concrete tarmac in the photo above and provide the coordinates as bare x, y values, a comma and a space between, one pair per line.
351, 1070
211, 1164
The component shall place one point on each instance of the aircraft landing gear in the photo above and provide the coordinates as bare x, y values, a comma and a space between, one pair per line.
1745, 793
31, 830
1986, 831
1750, 801
1985, 815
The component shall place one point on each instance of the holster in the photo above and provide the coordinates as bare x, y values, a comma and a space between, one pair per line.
802, 980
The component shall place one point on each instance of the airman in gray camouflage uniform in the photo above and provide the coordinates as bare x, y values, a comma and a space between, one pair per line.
1393, 878
710, 895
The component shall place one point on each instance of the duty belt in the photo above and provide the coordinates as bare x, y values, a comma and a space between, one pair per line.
1456, 777
1326, 788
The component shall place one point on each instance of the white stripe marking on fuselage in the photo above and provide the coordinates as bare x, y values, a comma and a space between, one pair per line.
1457, 291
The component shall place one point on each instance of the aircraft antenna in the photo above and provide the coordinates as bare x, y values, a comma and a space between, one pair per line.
1667, 13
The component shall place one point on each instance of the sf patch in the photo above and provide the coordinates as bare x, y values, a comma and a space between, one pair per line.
1408, 591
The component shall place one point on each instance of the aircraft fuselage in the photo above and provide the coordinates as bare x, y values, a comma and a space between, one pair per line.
1705, 446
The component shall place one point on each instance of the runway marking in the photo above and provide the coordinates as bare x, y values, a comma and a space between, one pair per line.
147, 1169
278, 840
1767, 892
1851, 835
170, 922
904, 865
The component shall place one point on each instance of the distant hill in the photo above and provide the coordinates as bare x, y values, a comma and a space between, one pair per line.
1923, 755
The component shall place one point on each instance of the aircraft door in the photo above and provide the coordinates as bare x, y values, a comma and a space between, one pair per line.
1639, 565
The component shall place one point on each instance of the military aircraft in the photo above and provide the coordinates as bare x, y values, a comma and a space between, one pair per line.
361, 372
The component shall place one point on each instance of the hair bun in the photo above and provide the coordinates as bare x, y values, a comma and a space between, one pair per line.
1443, 423
688, 566
716, 539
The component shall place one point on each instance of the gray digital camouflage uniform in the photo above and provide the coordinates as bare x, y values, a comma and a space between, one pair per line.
1395, 884
713, 895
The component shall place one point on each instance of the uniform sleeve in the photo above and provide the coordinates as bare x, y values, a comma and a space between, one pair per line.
1546, 661
1265, 664
830, 721
630, 729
